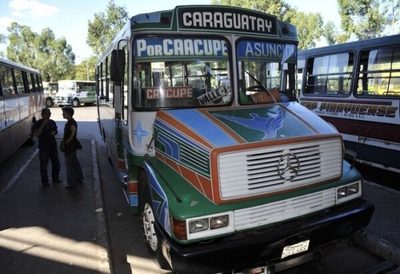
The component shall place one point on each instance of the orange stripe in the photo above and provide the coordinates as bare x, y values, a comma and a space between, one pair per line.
183, 128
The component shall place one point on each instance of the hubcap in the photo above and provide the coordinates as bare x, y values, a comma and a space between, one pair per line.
148, 227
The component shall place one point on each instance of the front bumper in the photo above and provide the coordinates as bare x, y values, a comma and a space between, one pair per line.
264, 246
63, 100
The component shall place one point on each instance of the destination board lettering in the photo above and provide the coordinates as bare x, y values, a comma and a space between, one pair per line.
226, 19
169, 93
152, 47
255, 49
349, 108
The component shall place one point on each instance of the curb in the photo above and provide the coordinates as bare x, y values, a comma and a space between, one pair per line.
101, 226
378, 246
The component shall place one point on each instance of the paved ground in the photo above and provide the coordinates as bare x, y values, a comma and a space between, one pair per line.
53, 230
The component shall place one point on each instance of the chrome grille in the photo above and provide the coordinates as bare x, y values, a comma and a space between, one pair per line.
262, 170
283, 210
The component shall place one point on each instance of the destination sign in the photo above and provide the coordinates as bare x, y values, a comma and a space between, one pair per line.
226, 19
266, 50
164, 47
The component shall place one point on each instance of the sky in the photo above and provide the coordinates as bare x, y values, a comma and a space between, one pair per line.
69, 18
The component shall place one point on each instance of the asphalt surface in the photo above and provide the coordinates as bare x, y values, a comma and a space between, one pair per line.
91, 230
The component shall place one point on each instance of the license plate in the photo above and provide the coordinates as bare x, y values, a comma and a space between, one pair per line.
295, 249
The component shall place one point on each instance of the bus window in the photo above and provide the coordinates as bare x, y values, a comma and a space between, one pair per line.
7, 81
379, 73
185, 80
329, 75
19, 81
264, 74
31, 83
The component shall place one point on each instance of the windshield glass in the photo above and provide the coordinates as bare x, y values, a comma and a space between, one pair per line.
178, 72
266, 71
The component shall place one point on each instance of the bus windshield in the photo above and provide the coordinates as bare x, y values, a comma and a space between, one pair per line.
181, 72
265, 68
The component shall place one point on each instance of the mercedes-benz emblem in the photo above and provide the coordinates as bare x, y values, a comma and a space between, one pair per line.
288, 166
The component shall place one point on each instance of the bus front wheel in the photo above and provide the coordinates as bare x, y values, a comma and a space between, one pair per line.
151, 235
76, 103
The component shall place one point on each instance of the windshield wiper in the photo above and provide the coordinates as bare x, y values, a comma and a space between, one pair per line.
261, 85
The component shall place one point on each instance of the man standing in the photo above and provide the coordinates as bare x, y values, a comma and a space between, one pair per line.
46, 129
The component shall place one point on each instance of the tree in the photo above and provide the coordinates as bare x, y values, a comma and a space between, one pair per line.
105, 26
309, 25
86, 69
368, 18
52, 57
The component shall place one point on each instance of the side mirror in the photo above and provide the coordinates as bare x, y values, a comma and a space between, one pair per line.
117, 65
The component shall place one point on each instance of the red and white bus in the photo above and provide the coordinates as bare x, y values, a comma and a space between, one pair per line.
21, 100
356, 87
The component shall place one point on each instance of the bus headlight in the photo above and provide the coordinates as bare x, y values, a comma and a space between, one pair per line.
198, 225
348, 192
209, 226
219, 221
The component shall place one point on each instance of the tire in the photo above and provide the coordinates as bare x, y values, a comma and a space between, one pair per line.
76, 103
151, 235
49, 102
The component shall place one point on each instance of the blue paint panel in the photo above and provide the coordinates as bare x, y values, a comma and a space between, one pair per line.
133, 200
182, 137
203, 126
159, 199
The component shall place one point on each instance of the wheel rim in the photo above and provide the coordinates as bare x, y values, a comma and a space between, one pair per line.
49, 102
148, 227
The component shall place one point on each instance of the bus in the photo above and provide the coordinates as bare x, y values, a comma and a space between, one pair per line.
21, 102
75, 93
356, 87
50, 90
197, 106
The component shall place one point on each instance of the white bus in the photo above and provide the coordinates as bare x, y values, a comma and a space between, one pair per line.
50, 90
21, 101
76, 92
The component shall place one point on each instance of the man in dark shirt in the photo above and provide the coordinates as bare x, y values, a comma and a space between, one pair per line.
46, 129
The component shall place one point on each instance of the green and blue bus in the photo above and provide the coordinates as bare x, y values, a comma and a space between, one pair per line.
197, 106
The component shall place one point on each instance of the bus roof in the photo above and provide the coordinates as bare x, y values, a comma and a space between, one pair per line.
215, 18
368, 43
14, 64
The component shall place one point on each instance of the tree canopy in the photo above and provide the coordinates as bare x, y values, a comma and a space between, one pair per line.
52, 57
309, 25
368, 18
105, 26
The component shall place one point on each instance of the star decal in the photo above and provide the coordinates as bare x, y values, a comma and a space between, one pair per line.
139, 133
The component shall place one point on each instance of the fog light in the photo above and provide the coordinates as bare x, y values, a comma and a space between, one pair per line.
198, 225
342, 192
219, 221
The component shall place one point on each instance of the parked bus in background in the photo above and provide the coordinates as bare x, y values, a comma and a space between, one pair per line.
197, 108
21, 101
50, 90
356, 87
76, 92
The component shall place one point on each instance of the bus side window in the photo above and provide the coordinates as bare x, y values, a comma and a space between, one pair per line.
19, 81
7, 81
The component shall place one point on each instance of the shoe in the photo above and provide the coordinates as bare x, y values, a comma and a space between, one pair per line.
58, 181
80, 182
45, 185
70, 186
